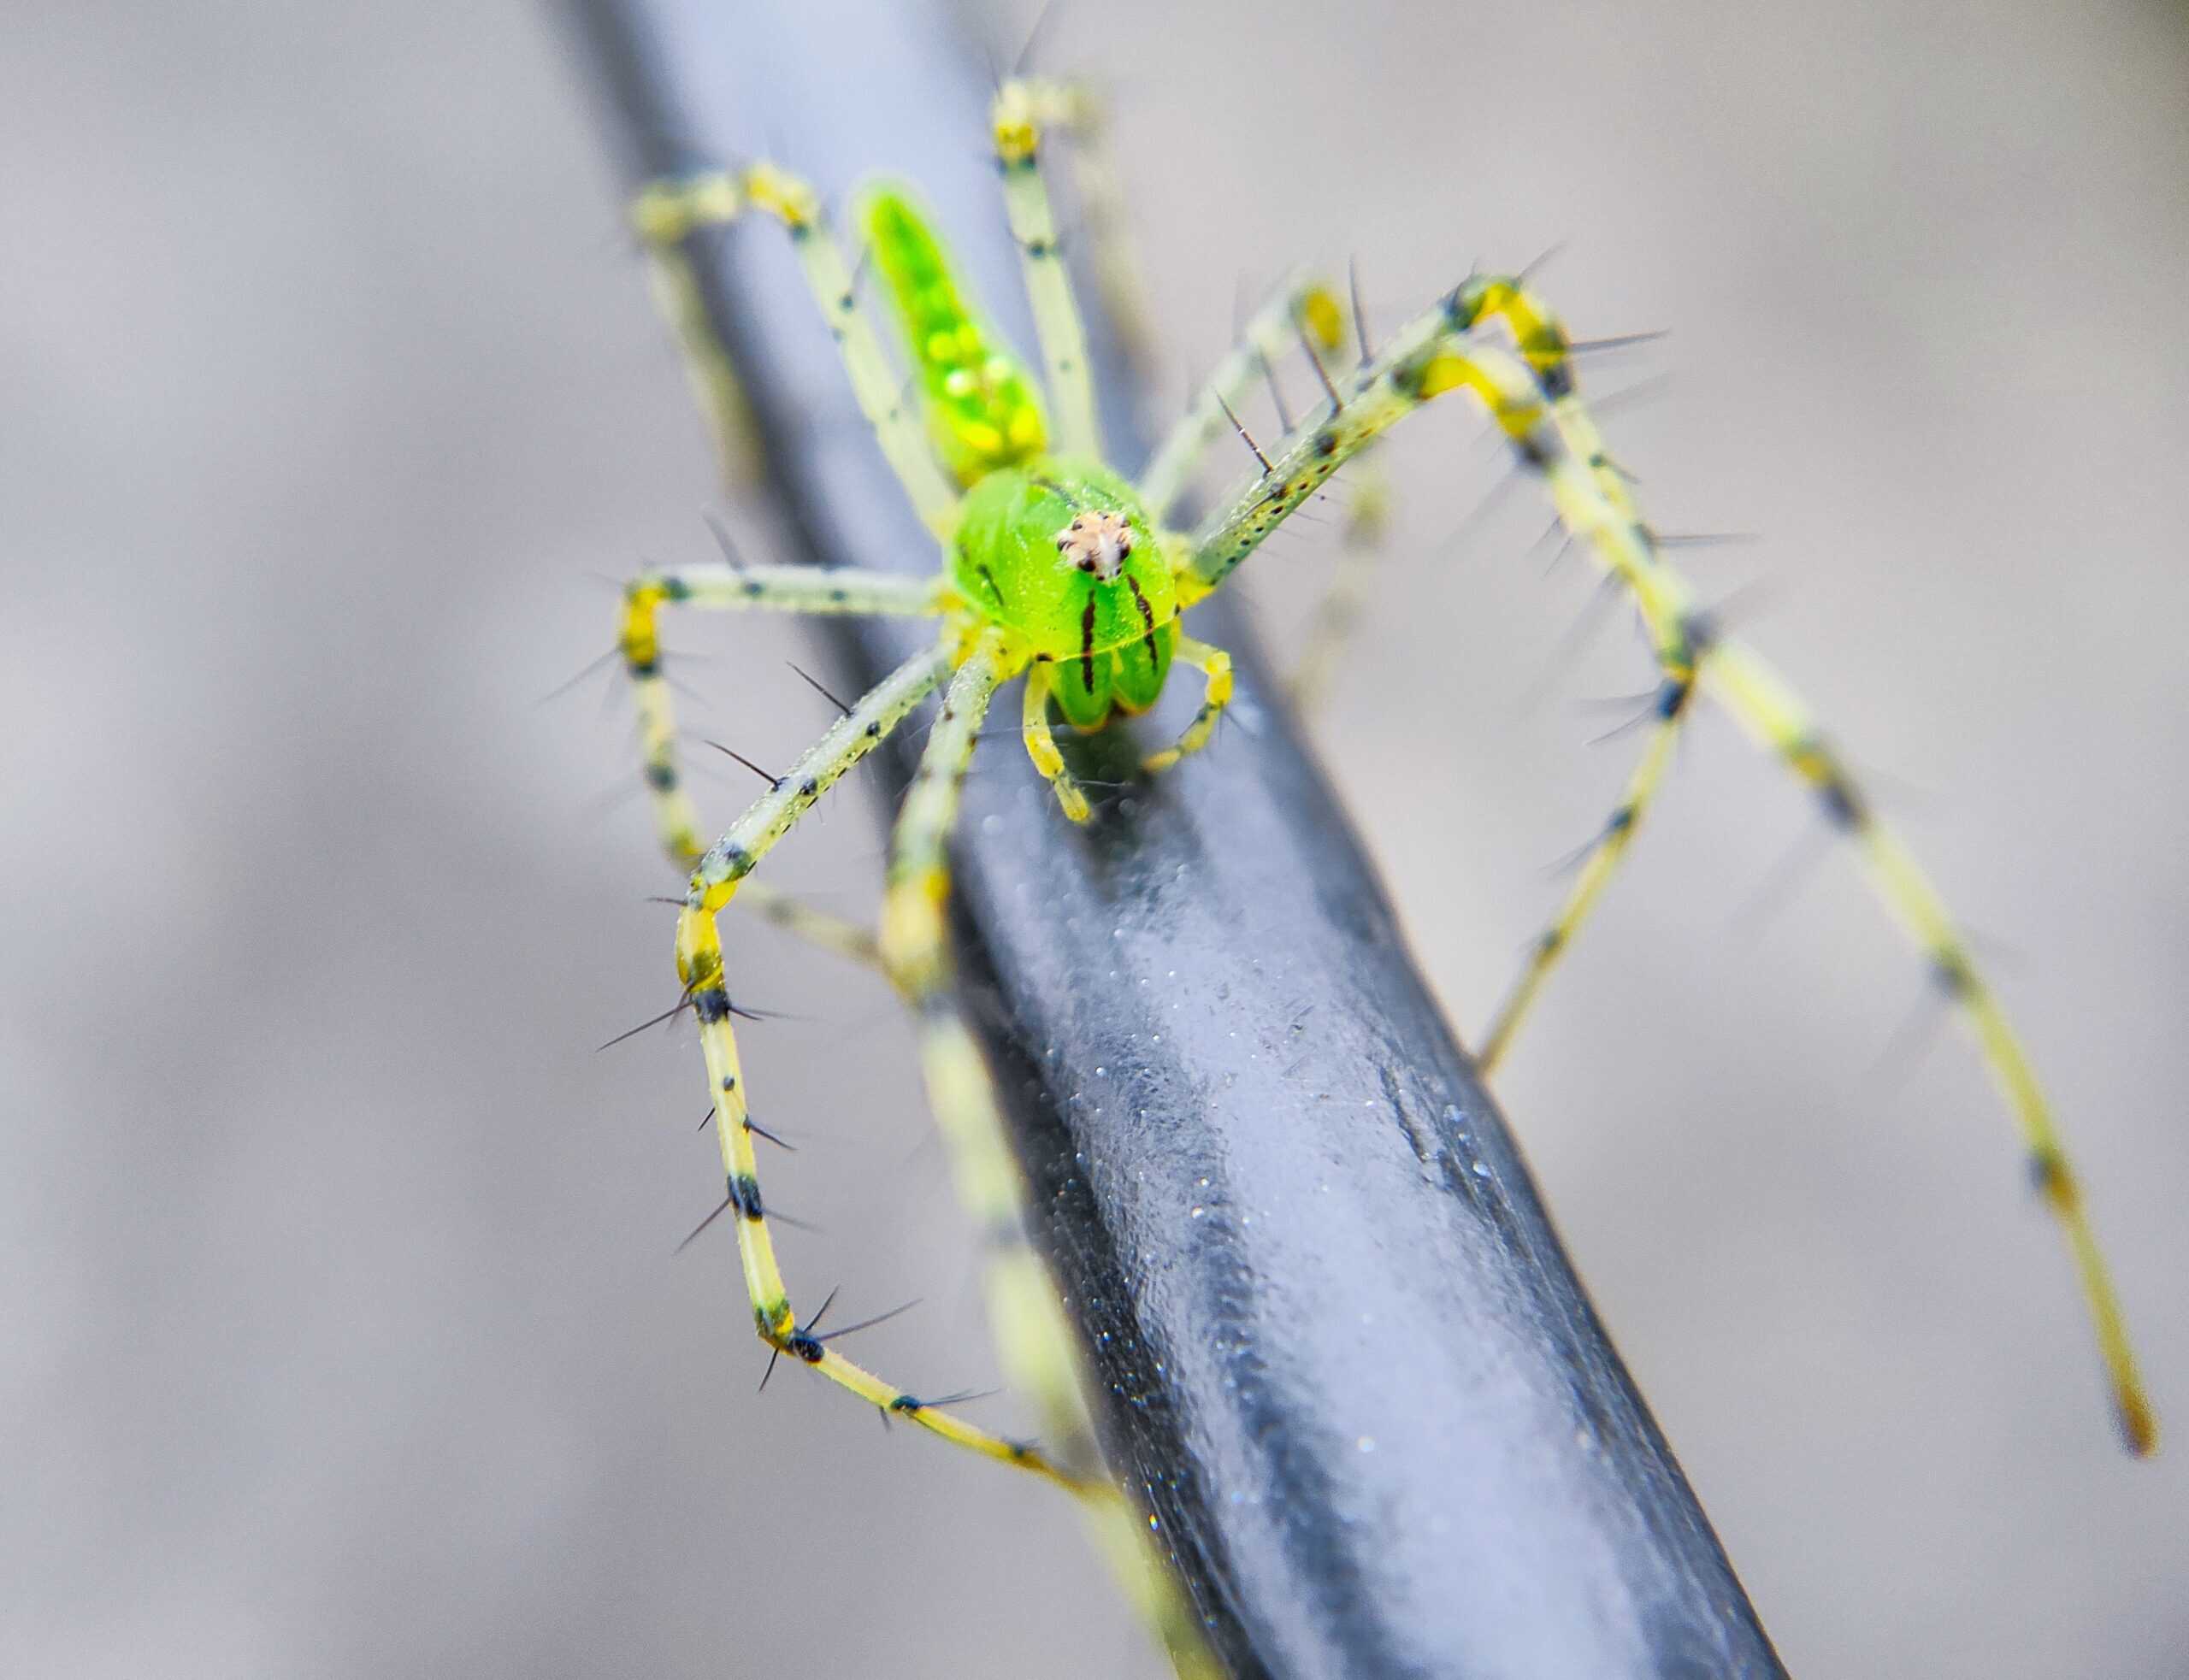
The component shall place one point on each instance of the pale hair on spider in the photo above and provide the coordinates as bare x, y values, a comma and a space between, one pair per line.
1059, 570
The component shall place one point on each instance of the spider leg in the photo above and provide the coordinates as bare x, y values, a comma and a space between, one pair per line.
668, 213
1018, 118
800, 589
1670, 708
1079, 114
1302, 307
1533, 403
1042, 744
714, 880
1215, 664
1033, 1340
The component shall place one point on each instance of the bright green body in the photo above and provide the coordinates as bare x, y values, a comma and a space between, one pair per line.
1111, 641
1110, 636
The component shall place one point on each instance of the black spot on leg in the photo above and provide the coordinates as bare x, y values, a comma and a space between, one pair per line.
661, 778
1949, 970
800, 1345
710, 1004
905, 1405
2049, 1177
1672, 696
1534, 453
744, 1196
1621, 820
809, 789
1557, 380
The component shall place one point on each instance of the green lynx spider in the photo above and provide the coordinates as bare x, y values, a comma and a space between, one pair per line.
1061, 571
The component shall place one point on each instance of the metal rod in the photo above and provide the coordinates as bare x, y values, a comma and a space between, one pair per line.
1341, 1356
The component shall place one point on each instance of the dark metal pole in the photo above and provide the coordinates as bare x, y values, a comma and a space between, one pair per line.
1341, 1356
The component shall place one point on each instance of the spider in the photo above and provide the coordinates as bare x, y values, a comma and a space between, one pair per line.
1060, 572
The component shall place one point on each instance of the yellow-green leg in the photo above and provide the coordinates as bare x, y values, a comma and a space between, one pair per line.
1215, 664
1018, 132
1077, 112
664, 216
799, 589
1300, 306
1534, 403
1041, 743
1033, 1340
720, 872
667, 213
1671, 705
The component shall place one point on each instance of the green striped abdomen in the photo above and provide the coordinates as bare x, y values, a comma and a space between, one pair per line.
982, 410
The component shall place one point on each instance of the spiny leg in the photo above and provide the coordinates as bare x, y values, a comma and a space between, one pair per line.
1033, 1341
1670, 706
1079, 114
1772, 714
699, 966
1022, 1304
720, 587
1306, 313
1436, 354
1042, 744
663, 216
1300, 306
1017, 122
1215, 664
781, 588
669, 212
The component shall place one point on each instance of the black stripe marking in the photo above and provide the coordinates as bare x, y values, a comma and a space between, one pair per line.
1146, 618
1086, 646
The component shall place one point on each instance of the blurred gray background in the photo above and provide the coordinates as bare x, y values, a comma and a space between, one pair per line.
342, 1334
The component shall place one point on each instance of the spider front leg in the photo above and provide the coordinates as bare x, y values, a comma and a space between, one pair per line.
715, 882
1301, 310
1535, 405
668, 213
718, 587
